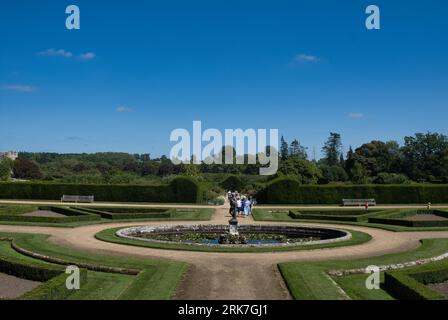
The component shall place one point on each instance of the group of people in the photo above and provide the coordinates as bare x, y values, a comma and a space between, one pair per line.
240, 205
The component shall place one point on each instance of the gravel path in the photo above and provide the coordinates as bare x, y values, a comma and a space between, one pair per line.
215, 275
441, 288
12, 287
44, 213
425, 217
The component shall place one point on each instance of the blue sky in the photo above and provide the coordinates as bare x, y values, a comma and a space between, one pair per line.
136, 70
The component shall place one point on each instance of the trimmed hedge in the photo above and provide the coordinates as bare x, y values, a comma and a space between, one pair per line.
30, 272
180, 190
394, 219
129, 213
73, 215
290, 191
54, 289
405, 287
308, 215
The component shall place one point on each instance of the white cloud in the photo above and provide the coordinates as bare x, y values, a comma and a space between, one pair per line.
356, 115
67, 54
56, 52
302, 57
87, 56
123, 109
18, 88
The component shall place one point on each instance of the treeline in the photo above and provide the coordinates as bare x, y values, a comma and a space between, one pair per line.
421, 158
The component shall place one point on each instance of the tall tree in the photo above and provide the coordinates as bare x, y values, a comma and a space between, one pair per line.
426, 156
359, 174
5, 169
284, 152
350, 161
377, 156
26, 169
297, 150
333, 149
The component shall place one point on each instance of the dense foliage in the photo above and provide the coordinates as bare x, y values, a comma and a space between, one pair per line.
422, 158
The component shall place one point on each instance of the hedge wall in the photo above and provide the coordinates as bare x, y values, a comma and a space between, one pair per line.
290, 191
328, 217
129, 213
30, 272
394, 219
54, 289
404, 287
180, 190
72, 215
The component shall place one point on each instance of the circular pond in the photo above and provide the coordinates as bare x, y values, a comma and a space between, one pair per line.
254, 235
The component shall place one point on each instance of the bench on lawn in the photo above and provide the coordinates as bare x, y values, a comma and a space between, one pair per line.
71, 198
358, 202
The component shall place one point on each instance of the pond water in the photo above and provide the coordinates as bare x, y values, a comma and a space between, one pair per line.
213, 238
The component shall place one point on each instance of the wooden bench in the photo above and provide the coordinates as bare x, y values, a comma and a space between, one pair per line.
72, 198
358, 202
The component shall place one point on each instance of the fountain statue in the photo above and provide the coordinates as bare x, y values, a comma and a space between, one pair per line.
232, 236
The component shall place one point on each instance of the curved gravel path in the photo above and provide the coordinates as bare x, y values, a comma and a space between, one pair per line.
214, 275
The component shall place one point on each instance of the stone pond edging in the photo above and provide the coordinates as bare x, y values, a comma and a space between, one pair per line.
127, 233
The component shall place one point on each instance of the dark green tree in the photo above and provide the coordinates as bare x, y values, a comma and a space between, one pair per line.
297, 150
5, 169
26, 169
350, 161
426, 156
284, 152
377, 156
359, 174
333, 149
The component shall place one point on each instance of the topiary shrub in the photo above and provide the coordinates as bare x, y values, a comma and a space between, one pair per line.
186, 190
232, 183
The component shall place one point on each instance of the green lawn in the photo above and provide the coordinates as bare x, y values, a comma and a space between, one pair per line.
309, 281
157, 279
16, 209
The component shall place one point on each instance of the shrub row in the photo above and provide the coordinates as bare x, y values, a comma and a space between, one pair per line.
54, 289
405, 287
130, 213
347, 216
54, 277
73, 215
290, 191
309, 216
27, 271
180, 190
394, 219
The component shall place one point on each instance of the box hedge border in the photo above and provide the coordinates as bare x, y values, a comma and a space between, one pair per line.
308, 215
73, 215
407, 286
287, 190
180, 190
394, 219
54, 289
157, 213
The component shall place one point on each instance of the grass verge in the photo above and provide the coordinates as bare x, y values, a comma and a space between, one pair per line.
309, 281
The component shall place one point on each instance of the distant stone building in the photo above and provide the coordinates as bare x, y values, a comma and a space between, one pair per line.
13, 155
